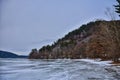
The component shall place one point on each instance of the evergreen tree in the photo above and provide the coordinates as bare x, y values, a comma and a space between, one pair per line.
117, 7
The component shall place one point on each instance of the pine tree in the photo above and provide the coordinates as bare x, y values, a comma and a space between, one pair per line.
117, 7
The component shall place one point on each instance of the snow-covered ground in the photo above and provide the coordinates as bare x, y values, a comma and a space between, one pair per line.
97, 61
59, 69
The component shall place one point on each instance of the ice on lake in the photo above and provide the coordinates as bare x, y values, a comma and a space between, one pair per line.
58, 69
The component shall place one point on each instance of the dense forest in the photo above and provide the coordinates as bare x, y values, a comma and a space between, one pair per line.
99, 39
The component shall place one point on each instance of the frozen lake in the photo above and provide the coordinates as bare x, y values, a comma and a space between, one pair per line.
66, 69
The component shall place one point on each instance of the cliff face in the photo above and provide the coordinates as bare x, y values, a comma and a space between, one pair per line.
99, 39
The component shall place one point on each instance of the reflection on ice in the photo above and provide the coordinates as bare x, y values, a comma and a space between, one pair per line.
66, 69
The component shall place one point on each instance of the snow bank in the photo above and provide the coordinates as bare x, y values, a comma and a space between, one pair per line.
97, 61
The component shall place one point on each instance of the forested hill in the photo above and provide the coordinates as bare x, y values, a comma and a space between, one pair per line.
6, 54
99, 39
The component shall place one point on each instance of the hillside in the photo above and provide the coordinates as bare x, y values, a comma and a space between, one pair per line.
99, 39
5, 54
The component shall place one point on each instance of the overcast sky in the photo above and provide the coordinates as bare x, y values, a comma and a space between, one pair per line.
27, 24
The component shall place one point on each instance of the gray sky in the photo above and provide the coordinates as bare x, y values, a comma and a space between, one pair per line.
27, 24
